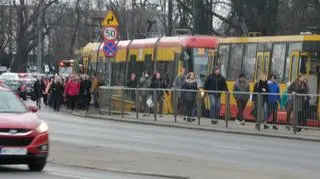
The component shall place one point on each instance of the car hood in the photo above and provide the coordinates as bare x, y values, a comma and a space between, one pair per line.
19, 121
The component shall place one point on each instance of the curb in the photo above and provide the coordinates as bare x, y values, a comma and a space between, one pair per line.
199, 128
122, 172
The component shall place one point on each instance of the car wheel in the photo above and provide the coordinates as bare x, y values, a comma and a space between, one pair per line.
37, 165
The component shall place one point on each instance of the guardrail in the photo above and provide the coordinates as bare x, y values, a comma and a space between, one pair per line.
297, 111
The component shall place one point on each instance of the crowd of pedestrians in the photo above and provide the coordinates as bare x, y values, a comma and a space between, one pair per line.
215, 84
75, 92
80, 91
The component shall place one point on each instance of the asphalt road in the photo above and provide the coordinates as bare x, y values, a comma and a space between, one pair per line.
63, 172
232, 155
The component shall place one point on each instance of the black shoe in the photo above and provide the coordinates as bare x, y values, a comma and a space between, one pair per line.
275, 127
265, 126
214, 122
298, 129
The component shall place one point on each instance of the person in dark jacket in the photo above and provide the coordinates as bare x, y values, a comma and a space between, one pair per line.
273, 100
133, 83
38, 90
262, 87
158, 83
242, 93
84, 94
300, 86
217, 83
57, 93
190, 97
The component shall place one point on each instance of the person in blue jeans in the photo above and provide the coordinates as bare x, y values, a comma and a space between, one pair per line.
273, 100
217, 83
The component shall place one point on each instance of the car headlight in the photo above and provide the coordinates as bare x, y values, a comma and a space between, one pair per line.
43, 127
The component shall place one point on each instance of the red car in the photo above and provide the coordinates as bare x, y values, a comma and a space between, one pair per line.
24, 138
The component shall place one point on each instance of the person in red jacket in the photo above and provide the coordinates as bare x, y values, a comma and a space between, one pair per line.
72, 89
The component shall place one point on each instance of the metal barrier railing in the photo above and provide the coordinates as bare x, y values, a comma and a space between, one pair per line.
297, 111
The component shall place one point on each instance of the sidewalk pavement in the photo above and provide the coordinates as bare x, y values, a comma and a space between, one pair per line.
205, 125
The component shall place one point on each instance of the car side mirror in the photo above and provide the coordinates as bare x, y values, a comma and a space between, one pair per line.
33, 109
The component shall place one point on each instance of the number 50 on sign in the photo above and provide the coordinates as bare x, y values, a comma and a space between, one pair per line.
110, 33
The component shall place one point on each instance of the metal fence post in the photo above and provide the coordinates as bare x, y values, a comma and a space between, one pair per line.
137, 103
175, 108
155, 104
227, 109
122, 102
100, 91
199, 102
259, 108
110, 100
294, 112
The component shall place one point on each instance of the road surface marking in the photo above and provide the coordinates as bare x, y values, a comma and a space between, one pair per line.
66, 175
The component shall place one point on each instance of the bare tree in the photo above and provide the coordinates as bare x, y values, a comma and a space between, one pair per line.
73, 31
5, 25
26, 27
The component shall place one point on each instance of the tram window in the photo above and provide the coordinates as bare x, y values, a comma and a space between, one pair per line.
93, 67
118, 73
258, 71
90, 67
303, 65
100, 67
287, 70
294, 68
170, 75
249, 60
278, 60
235, 61
139, 69
148, 64
115, 71
223, 58
133, 64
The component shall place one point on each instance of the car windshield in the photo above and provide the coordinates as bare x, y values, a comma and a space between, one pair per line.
10, 103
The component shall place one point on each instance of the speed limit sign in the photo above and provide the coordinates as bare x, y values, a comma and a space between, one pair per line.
110, 33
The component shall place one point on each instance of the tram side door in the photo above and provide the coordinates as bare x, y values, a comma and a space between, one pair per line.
262, 64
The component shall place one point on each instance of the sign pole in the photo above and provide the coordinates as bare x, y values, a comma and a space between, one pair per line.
109, 72
110, 32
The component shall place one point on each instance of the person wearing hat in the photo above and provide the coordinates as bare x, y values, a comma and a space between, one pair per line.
241, 94
215, 84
